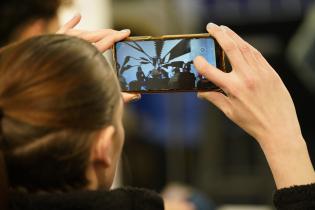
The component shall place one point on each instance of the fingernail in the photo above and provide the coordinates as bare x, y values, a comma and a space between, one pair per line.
125, 31
210, 25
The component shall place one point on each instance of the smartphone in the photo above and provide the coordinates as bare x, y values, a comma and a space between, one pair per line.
165, 64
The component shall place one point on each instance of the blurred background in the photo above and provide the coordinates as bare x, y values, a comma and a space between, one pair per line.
183, 147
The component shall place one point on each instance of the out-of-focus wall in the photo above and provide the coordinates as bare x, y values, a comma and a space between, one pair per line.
157, 17
96, 14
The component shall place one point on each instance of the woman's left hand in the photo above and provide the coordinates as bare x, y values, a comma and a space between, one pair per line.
103, 39
130, 97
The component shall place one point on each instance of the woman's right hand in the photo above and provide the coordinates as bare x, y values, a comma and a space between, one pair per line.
257, 100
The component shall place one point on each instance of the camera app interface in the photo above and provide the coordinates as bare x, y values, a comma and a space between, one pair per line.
163, 64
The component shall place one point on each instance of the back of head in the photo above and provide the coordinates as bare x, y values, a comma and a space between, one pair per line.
15, 14
56, 92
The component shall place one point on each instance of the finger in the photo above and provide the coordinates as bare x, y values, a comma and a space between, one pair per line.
246, 49
252, 55
210, 72
108, 41
90, 36
218, 99
76, 32
129, 97
96, 36
263, 63
227, 44
70, 24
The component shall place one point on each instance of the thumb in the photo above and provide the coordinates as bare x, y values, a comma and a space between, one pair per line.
210, 72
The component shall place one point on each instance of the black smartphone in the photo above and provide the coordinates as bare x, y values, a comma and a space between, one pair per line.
165, 64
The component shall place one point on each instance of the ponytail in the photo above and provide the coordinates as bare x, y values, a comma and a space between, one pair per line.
4, 189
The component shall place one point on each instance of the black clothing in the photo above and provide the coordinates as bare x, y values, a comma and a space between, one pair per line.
296, 198
120, 199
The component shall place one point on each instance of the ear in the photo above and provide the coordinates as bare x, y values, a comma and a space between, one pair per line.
104, 148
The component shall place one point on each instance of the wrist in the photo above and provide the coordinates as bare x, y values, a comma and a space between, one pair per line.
282, 144
289, 161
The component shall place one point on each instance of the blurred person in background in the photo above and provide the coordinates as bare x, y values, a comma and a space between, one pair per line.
23, 19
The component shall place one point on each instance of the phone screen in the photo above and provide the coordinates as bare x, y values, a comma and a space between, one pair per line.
163, 64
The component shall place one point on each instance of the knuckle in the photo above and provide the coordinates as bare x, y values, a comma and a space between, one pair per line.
274, 78
112, 32
228, 31
228, 112
111, 39
245, 49
215, 30
250, 83
257, 54
229, 47
231, 90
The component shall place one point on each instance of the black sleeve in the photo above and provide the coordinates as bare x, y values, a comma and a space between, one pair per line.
295, 198
120, 199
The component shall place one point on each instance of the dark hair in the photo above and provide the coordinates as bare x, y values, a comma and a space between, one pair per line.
16, 13
56, 93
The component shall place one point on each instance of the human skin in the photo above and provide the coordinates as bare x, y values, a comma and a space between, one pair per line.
257, 100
